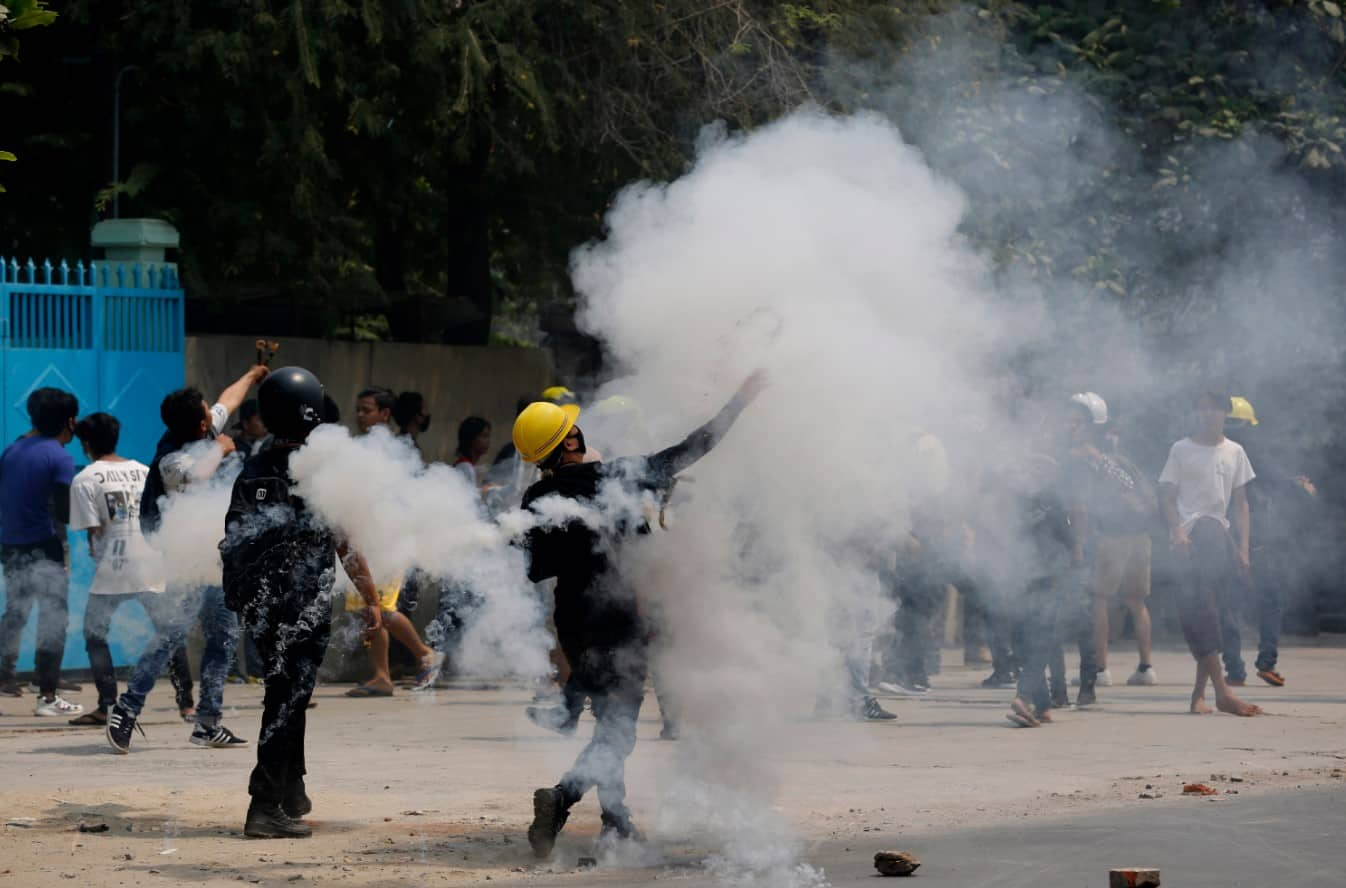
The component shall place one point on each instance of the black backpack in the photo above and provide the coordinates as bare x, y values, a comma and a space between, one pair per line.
150, 516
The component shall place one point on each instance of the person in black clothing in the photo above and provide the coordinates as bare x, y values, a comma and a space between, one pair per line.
279, 571
598, 622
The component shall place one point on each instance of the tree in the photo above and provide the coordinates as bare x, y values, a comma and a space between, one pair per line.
22, 15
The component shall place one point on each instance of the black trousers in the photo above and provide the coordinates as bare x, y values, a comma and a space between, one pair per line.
35, 574
291, 633
614, 681
97, 620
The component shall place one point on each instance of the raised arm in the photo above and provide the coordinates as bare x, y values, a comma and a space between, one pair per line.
662, 466
234, 396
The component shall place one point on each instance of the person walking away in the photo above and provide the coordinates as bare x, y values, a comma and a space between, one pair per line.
598, 623
1205, 474
105, 502
35, 476
190, 453
279, 568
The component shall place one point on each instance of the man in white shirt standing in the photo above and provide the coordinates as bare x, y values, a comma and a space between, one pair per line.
1205, 474
190, 452
105, 501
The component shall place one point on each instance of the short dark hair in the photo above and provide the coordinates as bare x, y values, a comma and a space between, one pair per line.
407, 407
50, 409
99, 432
247, 410
468, 430
522, 402
182, 412
384, 398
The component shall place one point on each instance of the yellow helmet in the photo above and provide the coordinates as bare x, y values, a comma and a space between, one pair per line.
542, 427
559, 394
1241, 408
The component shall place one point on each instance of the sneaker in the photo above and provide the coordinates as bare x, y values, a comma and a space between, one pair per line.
217, 737
1086, 697
120, 724
1143, 678
296, 803
870, 710
57, 706
1271, 677
430, 669
903, 689
549, 815
1101, 677
11, 689
271, 822
553, 718
997, 680
669, 732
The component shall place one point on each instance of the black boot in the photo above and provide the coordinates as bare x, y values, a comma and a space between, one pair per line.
296, 803
549, 815
271, 822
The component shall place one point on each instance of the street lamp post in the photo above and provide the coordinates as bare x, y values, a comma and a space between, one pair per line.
117, 138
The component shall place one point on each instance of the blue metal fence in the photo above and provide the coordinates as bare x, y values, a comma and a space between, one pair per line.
112, 335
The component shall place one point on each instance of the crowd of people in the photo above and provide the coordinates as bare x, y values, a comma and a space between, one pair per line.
1083, 512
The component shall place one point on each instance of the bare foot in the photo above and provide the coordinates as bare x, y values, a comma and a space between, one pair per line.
1234, 706
1025, 714
1201, 707
1044, 716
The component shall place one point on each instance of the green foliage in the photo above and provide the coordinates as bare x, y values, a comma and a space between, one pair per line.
19, 15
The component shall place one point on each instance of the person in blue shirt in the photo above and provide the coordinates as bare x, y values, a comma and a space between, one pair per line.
35, 476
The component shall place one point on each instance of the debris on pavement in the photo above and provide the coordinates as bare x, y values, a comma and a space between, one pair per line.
1133, 877
92, 827
1199, 789
896, 863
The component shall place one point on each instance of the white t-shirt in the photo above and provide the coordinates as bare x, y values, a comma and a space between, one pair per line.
176, 467
106, 495
1206, 478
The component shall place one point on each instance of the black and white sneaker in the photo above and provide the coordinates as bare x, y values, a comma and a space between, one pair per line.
216, 737
120, 725
870, 710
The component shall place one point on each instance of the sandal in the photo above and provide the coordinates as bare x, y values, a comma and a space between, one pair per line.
367, 691
97, 718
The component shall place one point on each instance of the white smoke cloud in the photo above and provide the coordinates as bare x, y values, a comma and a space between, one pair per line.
403, 516
824, 250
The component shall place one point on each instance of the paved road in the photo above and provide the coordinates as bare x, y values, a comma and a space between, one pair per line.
1287, 840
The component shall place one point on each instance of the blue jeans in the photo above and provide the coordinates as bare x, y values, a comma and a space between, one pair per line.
177, 610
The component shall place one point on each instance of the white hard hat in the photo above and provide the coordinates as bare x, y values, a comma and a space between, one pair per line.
1097, 407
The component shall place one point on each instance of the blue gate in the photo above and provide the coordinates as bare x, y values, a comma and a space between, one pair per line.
111, 335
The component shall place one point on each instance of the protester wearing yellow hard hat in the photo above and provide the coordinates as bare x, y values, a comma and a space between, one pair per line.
1241, 410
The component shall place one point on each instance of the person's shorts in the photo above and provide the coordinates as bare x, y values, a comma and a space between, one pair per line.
1122, 567
388, 594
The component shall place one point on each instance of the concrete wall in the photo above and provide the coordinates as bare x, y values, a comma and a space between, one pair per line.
457, 381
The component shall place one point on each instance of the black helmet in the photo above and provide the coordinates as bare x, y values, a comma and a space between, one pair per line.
290, 400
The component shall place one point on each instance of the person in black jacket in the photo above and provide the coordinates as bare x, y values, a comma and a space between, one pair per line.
598, 622
279, 568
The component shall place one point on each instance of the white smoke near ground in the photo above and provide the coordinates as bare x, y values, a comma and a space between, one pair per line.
403, 515
824, 250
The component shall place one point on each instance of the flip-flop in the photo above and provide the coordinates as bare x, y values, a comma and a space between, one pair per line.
1019, 721
90, 719
367, 691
